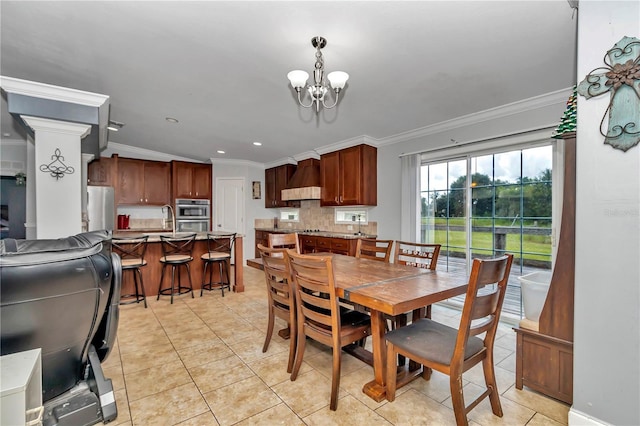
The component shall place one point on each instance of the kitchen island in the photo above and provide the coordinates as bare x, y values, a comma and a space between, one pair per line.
152, 271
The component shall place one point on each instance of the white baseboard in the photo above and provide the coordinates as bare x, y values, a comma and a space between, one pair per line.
578, 418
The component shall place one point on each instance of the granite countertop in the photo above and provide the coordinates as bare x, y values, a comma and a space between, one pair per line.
318, 233
154, 237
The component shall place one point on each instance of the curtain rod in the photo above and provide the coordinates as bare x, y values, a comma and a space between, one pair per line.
475, 141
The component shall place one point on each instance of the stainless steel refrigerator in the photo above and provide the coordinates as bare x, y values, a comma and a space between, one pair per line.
101, 210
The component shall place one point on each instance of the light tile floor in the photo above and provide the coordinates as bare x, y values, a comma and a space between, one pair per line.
200, 362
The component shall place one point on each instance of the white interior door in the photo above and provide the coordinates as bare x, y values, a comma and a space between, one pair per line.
229, 206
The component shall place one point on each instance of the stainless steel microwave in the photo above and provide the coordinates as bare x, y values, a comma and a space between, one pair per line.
192, 209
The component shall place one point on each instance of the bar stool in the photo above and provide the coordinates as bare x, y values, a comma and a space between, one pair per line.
131, 250
176, 252
219, 248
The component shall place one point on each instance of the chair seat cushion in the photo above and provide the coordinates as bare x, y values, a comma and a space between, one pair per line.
176, 258
133, 263
432, 340
214, 255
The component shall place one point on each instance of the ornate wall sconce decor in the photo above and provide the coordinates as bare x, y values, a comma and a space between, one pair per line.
57, 168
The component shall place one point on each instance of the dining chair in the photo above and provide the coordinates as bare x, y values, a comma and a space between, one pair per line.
289, 241
131, 251
418, 255
219, 248
319, 315
176, 252
280, 296
379, 250
453, 351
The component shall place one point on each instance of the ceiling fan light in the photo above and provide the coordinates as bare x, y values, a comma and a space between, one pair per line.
298, 78
338, 79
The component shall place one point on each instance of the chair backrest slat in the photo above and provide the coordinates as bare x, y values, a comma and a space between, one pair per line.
316, 298
177, 245
277, 276
131, 248
221, 243
418, 255
484, 307
289, 241
379, 250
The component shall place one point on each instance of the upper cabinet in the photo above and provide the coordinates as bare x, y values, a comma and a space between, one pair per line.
349, 177
275, 180
101, 172
143, 182
191, 180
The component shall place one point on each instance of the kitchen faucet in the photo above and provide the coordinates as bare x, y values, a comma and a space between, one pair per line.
173, 218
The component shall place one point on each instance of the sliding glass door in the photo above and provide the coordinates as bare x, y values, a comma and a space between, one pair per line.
481, 206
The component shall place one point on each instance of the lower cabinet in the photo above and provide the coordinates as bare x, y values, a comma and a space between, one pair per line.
317, 244
314, 244
544, 364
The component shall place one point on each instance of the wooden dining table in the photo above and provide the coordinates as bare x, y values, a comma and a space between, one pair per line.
388, 288
393, 289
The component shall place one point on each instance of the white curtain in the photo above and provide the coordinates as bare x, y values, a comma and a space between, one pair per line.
410, 194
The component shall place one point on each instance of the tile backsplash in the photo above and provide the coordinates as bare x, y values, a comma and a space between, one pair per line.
312, 216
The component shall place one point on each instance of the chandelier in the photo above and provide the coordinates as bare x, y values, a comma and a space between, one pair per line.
319, 89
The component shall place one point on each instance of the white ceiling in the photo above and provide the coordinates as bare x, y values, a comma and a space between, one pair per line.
220, 67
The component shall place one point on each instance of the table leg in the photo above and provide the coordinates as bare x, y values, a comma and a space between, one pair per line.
376, 389
238, 269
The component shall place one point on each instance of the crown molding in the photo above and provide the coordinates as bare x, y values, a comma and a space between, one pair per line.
347, 143
122, 149
307, 155
229, 162
57, 126
548, 99
48, 91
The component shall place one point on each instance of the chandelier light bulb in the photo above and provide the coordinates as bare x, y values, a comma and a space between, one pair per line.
338, 79
298, 78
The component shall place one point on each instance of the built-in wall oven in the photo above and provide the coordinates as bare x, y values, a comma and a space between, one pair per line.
192, 215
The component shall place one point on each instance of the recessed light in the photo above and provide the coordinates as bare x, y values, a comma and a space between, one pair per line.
220, 152
257, 143
6, 134
172, 120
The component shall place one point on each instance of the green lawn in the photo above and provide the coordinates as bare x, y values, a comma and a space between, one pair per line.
537, 247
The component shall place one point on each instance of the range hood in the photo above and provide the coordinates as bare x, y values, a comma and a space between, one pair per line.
305, 182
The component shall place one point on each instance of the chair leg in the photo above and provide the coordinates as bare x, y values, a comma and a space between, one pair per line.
457, 398
204, 274
292, 350
301, 341
221, 283
139, 280
490, 379
189, 276
270, 325
164, 265
173, 277
335, 378
391, 372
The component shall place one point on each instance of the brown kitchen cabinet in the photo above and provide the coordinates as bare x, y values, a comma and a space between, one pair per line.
275, 180
191, 180
349, 177
318, 244
101, 171
143, 182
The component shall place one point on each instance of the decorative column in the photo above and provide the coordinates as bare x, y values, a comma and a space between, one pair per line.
58, 176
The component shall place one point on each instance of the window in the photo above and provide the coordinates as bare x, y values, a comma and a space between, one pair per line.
483, 205
290, 215
351, 216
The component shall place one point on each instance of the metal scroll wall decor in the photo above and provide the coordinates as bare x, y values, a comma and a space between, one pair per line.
57, 168
621, 76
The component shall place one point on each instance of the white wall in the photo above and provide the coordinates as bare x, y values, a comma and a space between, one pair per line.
607, 294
